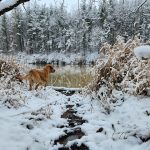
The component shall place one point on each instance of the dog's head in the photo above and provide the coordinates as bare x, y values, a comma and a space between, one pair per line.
50, 68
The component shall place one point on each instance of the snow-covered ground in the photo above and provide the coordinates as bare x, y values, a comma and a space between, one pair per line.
54, 57
36, 124
142, 51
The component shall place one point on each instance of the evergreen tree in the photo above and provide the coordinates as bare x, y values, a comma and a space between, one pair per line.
5, 36
18, 30
41, 29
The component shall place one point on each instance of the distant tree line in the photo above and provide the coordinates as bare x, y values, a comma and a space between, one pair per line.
46, 29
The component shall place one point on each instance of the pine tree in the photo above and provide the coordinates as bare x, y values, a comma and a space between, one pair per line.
18, 30
5, 38
41, 29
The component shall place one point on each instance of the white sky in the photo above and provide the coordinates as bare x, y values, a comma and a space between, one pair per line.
69, 4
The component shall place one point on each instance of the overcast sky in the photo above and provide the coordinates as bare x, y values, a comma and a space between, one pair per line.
69, 4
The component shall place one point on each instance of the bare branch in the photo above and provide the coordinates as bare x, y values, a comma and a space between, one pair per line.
11, 6
140, 6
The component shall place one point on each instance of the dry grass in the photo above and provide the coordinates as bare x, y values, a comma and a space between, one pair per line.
119, 70
67, 79
10, 93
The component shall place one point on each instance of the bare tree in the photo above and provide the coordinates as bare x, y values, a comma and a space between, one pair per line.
5, 6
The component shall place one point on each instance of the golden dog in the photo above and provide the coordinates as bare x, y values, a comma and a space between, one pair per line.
38, 77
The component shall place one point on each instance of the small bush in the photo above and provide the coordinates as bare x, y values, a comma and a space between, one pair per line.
10, 93
120, 70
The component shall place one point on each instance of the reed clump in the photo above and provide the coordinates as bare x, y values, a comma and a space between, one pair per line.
10, 93
119, 70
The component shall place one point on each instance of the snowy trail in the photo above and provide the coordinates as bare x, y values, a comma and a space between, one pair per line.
41, 122
13, 123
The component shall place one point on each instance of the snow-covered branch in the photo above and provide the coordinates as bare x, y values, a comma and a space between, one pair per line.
8, 5
139, 6
67, 91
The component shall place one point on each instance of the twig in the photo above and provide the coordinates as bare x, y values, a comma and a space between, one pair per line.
138, 7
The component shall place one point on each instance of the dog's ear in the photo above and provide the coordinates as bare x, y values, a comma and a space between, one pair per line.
51, 69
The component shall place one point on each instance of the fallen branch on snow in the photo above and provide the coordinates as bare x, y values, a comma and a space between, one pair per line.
67, 91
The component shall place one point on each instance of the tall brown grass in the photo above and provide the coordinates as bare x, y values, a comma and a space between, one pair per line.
119, 70
70, 80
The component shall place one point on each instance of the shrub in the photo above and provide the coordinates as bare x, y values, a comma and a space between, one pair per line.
121, 71
10, 93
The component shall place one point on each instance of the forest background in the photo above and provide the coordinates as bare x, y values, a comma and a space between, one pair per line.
45, 29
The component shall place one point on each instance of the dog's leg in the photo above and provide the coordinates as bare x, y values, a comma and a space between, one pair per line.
30, 85
45, 85
37, 86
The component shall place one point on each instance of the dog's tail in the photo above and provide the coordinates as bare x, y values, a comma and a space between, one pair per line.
26, 77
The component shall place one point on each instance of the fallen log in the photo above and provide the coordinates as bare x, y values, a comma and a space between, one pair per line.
67, 91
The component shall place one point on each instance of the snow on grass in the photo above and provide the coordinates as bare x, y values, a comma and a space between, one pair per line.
53, 57
129, 120
42, 110
13, 121
142, 51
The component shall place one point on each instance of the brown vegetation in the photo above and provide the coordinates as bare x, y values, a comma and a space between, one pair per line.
10, 93
120, 70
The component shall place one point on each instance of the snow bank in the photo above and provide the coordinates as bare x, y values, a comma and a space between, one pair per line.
57, 58
14, 137
142, 51
123, 129
47, 105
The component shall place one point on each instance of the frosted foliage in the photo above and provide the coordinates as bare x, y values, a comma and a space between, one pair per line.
10, 93
121, 71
